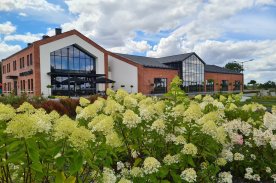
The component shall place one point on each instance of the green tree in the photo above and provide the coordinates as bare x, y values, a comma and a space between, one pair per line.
253, 83
234, 66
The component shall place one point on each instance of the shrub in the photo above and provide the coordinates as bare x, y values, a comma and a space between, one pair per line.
70, 105
134, 138
52, 105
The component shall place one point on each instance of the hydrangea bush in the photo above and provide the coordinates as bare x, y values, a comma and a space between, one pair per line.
133, 138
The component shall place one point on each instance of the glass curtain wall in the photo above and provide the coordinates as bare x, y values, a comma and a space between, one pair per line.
193, 75
72, 59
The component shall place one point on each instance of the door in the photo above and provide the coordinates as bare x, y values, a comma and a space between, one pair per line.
15, 87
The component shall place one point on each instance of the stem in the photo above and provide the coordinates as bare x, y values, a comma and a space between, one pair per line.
29, 162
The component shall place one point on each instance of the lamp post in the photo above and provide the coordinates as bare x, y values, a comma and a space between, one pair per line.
242, 62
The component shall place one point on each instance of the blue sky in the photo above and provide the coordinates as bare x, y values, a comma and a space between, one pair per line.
218, 31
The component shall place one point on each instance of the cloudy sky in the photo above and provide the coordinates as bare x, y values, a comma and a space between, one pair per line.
219, 31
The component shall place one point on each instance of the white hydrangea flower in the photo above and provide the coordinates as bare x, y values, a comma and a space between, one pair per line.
158, 126
189, 149
136, 172
238, 157
227, 154
224, 177
273, 142
130, 119
169, 159
189, 175
151, 165
270, 121
108, 175
268, 170
120, 165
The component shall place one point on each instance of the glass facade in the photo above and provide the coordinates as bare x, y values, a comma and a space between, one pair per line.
193, 74
70, 60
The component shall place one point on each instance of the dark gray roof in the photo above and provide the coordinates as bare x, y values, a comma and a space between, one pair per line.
174, 58
145, 61
217, 69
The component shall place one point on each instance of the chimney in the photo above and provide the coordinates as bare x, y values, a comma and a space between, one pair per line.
45, 36
58, 31
29, 44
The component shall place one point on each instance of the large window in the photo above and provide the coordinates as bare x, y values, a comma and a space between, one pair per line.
79, 67
237, 85
160, 85
73, 59
224, 85
193, 74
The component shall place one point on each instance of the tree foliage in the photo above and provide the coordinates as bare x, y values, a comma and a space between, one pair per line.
234, 66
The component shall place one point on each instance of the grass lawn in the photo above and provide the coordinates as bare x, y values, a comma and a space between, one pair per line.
266, 101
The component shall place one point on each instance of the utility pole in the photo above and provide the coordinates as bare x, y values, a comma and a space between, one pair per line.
242, 62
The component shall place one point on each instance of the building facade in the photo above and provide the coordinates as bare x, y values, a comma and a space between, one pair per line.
71, 64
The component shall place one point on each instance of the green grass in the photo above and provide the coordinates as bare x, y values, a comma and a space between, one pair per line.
268, 102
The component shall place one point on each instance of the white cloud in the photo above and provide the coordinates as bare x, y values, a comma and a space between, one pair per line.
7, 28
6, 50
40, 10
112, 23
23, 14
26, 38
11, 5
132, 47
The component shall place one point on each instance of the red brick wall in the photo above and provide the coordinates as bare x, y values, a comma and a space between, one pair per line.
218, 77
146, 77
18, 70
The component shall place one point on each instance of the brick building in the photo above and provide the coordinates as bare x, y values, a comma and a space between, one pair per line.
71, 64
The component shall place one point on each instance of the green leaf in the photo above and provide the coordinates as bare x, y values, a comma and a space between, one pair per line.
137, 162
36, 166
76, 163
70, 179
60, 177
163, 172
165, 181
191, 161
13, 146
60, 162
176, 178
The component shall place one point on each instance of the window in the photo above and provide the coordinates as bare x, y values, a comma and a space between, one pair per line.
160, 85
8, 67
31, 59
224, 85
9, 86
210, 85
20, 63
5, 87
23, 64
28, 60
193, 74
32, 85
14, 65
237, 85
4, 69
73, 59
29, 85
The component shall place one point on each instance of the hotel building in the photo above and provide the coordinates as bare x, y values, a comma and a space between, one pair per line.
71, 64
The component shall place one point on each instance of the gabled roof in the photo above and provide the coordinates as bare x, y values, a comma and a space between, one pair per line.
145, 61
217, 69
174, 58
57, 37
